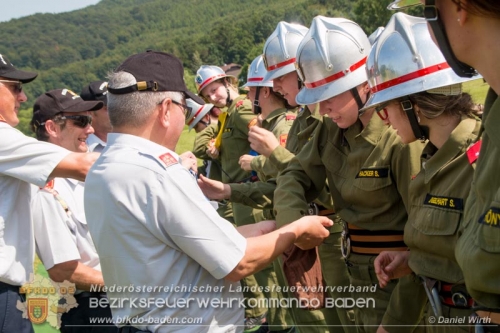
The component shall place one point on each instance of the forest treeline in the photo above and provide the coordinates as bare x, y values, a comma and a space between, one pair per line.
74, 48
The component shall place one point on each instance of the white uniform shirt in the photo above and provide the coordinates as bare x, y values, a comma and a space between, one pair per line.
61, 237
23, 160
153, 227
95, 144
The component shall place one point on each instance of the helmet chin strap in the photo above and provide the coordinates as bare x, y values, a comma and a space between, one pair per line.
228, 99
357, 98
256, 105
432, 15
420, 132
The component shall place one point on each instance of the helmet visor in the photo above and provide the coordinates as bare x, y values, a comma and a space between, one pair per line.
399, 4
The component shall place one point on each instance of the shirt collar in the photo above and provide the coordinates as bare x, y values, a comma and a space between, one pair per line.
140, 144
459, 140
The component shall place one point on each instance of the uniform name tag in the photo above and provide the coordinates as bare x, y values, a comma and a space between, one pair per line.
373, 173
444, 202
491, 217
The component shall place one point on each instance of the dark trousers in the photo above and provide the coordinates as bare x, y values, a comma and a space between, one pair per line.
11, 319
77, 320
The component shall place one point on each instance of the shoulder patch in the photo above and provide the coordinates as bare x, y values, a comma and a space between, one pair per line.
491, 217
168, 159
253, 122
373, 173
473, 152
49, 185
240, 103
283, 138
290, 117
444, 202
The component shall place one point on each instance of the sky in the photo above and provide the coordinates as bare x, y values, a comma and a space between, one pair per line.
20, 8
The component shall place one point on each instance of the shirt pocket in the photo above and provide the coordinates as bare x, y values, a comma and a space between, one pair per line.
335, 161
488, 236
435, 221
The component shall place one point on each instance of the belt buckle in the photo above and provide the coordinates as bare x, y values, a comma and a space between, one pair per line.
345, 242
459, 296
313, 209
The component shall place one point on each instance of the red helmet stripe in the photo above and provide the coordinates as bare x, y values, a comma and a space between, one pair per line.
281, 64
195, 115
255, 79
335, 76
209, 80
410, 76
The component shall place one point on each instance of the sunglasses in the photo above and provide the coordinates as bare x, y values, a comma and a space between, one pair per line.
79, 121
18, 85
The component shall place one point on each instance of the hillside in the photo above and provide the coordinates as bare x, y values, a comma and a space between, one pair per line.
74, 48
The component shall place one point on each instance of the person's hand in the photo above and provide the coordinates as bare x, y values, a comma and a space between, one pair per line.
214, 189
245, 161
262, 141
391, 265
212, 151
312, 231
189, 161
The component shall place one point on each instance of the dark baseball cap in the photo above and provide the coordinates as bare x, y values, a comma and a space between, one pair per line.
8, 71
95, 91
154, 71
61, 100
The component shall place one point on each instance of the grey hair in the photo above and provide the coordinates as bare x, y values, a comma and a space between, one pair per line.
133, 109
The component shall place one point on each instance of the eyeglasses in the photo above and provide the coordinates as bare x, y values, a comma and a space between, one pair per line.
79, 121
18, 85
382, 111
186, 109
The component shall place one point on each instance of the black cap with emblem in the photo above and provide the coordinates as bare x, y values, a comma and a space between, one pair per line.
154, 71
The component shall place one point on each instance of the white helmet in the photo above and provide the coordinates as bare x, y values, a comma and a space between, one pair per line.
281, 48
256, 73
208, 74
405, 61
196, 112
375, 35
331, 59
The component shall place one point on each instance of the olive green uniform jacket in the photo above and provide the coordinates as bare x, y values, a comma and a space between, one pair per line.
279, 123
478, 248
260, 194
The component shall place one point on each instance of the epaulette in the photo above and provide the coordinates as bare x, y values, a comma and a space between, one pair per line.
168, 159
291, 117
473, 152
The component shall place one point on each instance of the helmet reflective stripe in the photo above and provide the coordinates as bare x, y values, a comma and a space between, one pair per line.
211, 79
208, 74
280, 49
417, 66
281, 64
410, 76
256, 74
336, 76
195, 116
331, 59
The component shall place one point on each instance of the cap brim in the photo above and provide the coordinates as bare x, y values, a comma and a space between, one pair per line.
194, 97
22, 76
